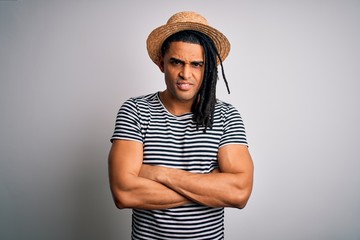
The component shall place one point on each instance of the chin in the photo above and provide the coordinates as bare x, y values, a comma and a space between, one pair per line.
185, 98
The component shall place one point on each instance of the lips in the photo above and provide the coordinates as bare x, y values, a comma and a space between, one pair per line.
184, 86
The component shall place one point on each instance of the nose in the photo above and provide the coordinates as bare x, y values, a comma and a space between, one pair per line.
185, 72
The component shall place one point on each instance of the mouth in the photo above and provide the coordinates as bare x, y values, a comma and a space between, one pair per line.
184, 86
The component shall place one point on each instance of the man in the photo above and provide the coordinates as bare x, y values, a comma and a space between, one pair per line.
180, 156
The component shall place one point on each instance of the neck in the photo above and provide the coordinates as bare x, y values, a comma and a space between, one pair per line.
173, 106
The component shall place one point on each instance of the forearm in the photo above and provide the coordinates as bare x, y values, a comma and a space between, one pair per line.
129, 190
214, 190
146, 194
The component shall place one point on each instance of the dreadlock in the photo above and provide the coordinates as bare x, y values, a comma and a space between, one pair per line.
203, 109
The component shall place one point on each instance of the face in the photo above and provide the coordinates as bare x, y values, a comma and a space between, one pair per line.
183, 67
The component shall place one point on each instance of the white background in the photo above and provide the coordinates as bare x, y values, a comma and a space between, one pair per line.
67, 66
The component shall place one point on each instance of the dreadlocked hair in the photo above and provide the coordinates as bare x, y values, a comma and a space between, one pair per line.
203, 108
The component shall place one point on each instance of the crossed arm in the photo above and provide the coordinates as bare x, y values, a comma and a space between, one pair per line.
137, 185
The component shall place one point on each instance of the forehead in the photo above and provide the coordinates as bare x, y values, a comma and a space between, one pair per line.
185, 51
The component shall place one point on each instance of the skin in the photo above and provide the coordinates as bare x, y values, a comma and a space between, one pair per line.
183, 68
137, 185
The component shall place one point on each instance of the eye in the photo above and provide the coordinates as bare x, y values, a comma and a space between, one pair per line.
175, 61
197, 64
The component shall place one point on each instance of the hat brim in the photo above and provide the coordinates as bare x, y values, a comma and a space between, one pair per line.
157, 37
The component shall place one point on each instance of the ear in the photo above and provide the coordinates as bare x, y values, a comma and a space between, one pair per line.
161, 65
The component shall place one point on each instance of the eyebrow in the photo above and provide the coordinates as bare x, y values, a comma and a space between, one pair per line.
183, 62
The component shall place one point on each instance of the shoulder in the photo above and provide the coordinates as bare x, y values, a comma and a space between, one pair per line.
224, 107
144, 104
222, 104
143, 98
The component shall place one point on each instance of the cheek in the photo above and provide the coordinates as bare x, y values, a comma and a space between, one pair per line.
170, 73
199, 76
169, 78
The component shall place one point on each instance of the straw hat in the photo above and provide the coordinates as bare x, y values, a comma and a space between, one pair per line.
185, 21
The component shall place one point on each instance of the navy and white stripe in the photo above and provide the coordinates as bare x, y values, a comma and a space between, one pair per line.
173, 141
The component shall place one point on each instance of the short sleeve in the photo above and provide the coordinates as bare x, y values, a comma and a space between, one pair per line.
234, 130
127, 125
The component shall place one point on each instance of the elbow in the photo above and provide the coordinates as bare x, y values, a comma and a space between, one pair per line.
242, 204
119, 204
240, 200
122, 200
243, 194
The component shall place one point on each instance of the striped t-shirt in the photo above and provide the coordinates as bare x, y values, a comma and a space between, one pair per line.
173, 141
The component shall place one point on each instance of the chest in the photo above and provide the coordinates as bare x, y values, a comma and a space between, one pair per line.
175, 142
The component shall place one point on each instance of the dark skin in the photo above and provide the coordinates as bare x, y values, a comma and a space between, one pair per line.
137, 185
